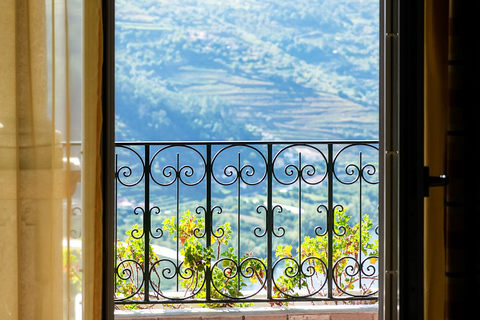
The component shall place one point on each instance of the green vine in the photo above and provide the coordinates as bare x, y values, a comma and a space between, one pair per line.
223, 262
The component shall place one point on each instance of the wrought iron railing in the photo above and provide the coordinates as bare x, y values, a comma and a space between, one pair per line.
233, 222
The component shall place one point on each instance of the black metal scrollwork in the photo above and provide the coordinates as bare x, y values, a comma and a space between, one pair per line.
174, 171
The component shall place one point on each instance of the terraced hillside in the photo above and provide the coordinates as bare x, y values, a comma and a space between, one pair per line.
242, 70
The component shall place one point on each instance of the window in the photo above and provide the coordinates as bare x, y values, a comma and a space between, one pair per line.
147, 111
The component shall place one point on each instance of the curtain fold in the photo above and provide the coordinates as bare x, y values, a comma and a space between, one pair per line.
8, 163
92, 189
50, 120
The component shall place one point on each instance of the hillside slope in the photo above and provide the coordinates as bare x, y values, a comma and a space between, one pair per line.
230, 70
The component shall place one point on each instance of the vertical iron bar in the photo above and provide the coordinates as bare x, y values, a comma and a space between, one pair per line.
146, 224
269, 222
208, 219
300, 219
238, 221
177, 196
330, 221
360, 224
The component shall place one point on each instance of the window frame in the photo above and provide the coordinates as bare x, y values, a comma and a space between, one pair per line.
107, 152
411, 160
402, 159
401, 135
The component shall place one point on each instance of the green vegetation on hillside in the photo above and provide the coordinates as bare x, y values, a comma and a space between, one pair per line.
230, 70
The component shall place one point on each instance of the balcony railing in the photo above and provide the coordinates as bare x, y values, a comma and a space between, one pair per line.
225, 223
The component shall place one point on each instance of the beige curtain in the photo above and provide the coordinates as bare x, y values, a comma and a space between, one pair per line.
49, 137
92, 194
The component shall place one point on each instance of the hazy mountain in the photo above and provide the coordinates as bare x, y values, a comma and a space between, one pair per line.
242, 70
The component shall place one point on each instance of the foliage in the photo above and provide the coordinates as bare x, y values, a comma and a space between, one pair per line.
71, 266
222, 261
198, 257
346, 250
130, 265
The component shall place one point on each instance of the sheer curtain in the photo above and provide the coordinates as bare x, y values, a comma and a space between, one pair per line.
50, 206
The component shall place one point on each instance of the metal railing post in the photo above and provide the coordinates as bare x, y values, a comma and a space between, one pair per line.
146, 225
269, 221
208, 219
330, 221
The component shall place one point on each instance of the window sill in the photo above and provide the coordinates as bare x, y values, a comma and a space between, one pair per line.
324, 312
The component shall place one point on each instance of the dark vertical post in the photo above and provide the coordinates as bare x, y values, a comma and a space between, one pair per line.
177, 210
108, 158
300, 219
360, 172
147, 224
269, 222
208, 218
411, 202
238, 221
